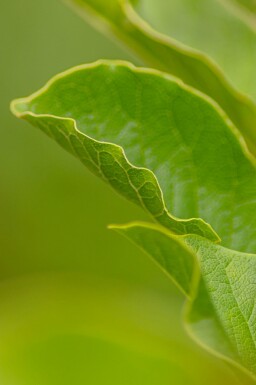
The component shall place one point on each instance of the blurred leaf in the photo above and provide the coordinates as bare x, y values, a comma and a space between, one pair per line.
71, 328
216, 27
166, 54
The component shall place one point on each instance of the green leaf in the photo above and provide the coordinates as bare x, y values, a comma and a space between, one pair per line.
154, 140
194, 68
88, 101
221, 312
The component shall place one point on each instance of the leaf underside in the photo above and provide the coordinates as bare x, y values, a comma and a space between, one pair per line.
175, 153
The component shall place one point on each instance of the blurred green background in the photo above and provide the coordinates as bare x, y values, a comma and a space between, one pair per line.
78, 303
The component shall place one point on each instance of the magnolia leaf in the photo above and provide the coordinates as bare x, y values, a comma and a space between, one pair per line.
221, 312
118, 18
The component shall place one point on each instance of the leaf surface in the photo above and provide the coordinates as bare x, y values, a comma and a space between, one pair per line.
157, 142
221, 312
118, 17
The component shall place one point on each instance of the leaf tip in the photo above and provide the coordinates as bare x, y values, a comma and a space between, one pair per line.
18, 107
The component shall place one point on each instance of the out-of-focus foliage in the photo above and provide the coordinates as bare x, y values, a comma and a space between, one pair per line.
167, 54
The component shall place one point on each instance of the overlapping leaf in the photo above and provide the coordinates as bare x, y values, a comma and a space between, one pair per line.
221, 307
174, 152
166, 54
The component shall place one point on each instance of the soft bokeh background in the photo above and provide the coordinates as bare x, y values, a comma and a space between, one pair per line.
78, 304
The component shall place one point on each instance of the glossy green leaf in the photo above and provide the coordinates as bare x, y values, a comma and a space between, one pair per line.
194, 68
221, 306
